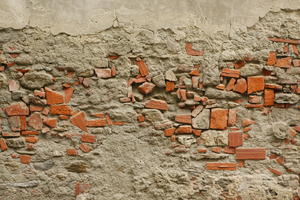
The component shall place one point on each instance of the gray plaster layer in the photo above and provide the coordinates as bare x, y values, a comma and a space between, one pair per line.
89, 16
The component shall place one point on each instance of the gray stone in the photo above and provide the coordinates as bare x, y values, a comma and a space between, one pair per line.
211, 76
3, 81
152, 115
77, 166
15, 142
280, 130
286, 98
84, 71
159, 80
170, 76
186, 140
24, 59
201, 121
28, 184
220, 94
251, 70
211, 156
36, 80
43, 166
215, 138
17, 95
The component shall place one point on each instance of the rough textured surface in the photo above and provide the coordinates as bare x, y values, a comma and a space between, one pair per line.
110, 141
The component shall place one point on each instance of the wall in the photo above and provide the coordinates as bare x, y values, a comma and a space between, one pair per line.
135, 112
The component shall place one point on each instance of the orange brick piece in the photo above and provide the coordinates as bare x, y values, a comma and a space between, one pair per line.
81, 188
218, 118
230, 73
68, 94
221, 166
103, 73
284, 62
96, 123
269, 97
71, 152
290, 41
241, 86
84, 148
79, 120
53, 97
146, 88
156, 104
144, 71
89, 138
51, 122
250, 154
231, 117
235, 139
3, 145
190, 51
255, 84
35, 121
25, 159
170, 86
60, 110
272, 58
186, 119
169, 132
275, 171
186, 129
17, 109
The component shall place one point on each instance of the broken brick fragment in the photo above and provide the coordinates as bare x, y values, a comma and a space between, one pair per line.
3, 145
275, 171
272, 58
146, 88
103, 73
35, 121
221, 166
81, 188
232, 117
185, 129
230, 85
71, 152
295, 49
284, 62
156, 104
31, 139
235, 139
53, 97
218, 118
89, 138
255, 84
169, 132
233, 73
197, 132
85, 148
68, 94
25, 133
60, 110
186, 119
51, 122
79, 120
247, 122
17, 109
25, 159
144, 71
240, 86
250, 154
170, 86
269, 97
190, 51
96, 123
290, 41
216, 149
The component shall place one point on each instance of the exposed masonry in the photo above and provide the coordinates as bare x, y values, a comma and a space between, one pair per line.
219, 107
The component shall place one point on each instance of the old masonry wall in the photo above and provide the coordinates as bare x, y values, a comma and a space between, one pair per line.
135, 113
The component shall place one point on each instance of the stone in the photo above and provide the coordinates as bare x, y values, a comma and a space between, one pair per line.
201, 121
77, 166
170, 76
211, 76
36, 80
43, 166
17, 109
251, 70
286, 98
220, 94
35, 121
15, 142
159, 80
280, 130
186, 140
214, 138
152, 115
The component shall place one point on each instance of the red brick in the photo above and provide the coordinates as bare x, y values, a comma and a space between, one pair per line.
30, 133
230, 73
272, 58
269, 97
140, 118
239, 64
284, 62
146, 88
68, 94
144, 71
240, 86
273, 86
235, 139
254, 105
220, 86
2, 68
10, 134
31, 139
35, 121
34, 108
103, 73
296, 62
247, 122
3, 146
255, 84
231, 117
274, 171
53, 97
202, 150
85, 148
230, 85
25, 159
195, 72
169, 132
250, 154
190, 51
60, 110
79, 120
221, 166
88, 138
81, 188
229, 150
185, 129
197, 132
71, 152
40, 94
17, 109
186, 119
156, 104
290, 41
295, 50
51, 122
13, 85
96, 123
14, 123
113, 71
170, 86
182, 94
216, 149
218, 118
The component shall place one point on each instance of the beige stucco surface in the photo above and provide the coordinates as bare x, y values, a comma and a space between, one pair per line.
89, 16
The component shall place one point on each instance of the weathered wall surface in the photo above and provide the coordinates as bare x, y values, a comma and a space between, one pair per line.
144, 113
89, 16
